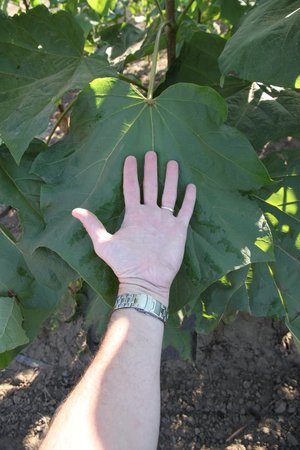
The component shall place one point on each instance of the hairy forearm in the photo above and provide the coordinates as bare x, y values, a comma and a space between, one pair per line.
116, 405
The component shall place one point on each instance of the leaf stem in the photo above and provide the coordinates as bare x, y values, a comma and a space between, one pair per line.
63, 114
154, 60
183, 13
131, 81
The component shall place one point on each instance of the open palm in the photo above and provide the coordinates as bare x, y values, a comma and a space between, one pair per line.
149, 246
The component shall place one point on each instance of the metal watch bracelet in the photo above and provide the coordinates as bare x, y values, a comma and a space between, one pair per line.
143, 303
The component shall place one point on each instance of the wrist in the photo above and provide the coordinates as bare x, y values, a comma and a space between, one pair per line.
136, 286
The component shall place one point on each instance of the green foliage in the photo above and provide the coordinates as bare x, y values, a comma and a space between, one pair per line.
120, 37
198, 63
234, 10
42, 58
281, 207
36, 278
183, 118
265, 113
11, 332
243, 243
102, 6
266, 46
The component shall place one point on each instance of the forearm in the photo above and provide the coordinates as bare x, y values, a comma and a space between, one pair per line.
116, 405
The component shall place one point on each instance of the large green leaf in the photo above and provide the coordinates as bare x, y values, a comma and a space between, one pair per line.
21, 190
227, 293
252, 290
281, 205
283, 163
286, 271
264, 113
264, 295
11, 332
41, 57
36, 278
35, 301
233, 10
111, 120
266, 46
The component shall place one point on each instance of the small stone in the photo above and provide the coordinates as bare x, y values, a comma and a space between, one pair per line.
16, 399
280, 407
248, 437
235, 447
229, 406
291, 439
291, 409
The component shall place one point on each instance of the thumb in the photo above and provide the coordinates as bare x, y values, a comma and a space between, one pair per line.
93, 226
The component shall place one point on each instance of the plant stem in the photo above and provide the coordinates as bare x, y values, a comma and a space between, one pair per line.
171, 35
199, 15
183, 13
63, 114
129, 80
26, 5
154, 61
159, 9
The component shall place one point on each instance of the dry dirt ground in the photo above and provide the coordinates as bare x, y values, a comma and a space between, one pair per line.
242, 392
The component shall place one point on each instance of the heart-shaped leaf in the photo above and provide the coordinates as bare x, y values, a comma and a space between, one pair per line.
112, 120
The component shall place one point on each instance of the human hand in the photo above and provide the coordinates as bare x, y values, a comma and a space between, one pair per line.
147, 251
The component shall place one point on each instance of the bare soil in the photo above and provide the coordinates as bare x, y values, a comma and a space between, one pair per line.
242, 392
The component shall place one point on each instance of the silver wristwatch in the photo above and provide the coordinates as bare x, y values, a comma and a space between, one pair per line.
143, 303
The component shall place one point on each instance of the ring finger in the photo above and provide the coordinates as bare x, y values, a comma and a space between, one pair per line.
150, 179
170, 189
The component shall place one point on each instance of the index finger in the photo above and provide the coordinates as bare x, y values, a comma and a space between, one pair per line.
131, 188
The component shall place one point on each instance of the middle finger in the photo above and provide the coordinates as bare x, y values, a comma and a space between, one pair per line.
150, 179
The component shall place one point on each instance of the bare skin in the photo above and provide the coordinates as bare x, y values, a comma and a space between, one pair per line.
116, 405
